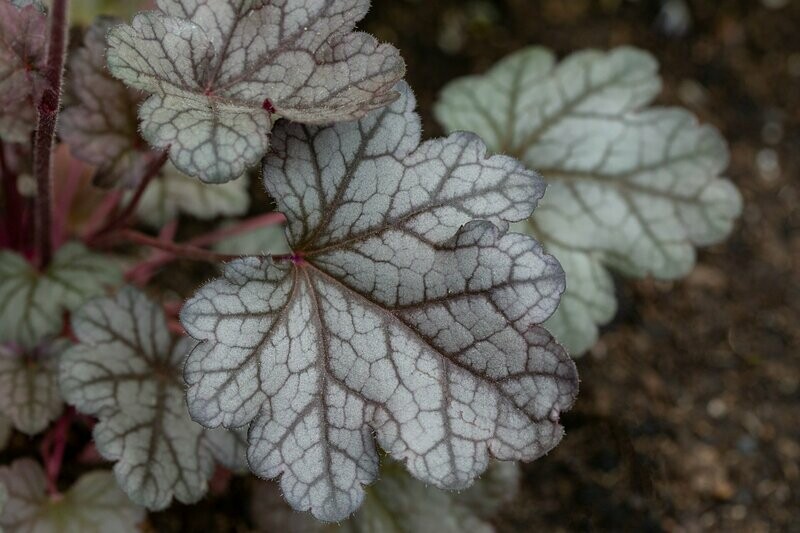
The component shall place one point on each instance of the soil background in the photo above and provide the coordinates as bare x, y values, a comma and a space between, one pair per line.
689, 412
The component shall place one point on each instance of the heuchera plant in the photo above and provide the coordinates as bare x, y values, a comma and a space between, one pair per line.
632, 188
386, 304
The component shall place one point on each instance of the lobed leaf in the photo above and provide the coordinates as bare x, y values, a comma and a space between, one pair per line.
100, 123
395, 319
221, 72
23, 41
29, 394
126, 372
32, 303
398, 503
173, 193
93, 505
633, 189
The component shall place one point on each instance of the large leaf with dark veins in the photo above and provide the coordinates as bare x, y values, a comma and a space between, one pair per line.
220, 73
396, 319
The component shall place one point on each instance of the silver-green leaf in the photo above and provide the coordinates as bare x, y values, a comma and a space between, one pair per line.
632, 188
398, 503
220, 73
29, 394
32, 303
173, 193
93, 504
405, 316
126, 371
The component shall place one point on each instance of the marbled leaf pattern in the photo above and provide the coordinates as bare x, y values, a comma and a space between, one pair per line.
397, 320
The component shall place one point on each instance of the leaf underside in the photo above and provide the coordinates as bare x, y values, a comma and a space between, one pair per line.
32, 304
632, 188
397, 319
220, 73
22, 55
398, 503
93, 504
126, 372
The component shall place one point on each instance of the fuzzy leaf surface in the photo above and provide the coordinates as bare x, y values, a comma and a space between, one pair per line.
29, 394
633, 188
398, 503
221, 72
94, 504
23, 42
100, 125
397, 319
173, 193
32, 304
126, 372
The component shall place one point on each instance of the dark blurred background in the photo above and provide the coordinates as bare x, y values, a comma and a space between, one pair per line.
689, 413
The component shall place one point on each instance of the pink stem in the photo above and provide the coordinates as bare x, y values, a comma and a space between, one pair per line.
142, 272
150, 173
250, 224
184, 251
102, 213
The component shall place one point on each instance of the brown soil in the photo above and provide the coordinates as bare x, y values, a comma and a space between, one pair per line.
689, 414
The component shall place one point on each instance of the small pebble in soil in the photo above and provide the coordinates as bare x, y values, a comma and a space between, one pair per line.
717, 408
775, 4
772, 132
747, 444
768, 165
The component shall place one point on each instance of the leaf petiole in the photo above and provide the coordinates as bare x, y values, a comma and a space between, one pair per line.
121, 220
184, 251
48, 110
52, 449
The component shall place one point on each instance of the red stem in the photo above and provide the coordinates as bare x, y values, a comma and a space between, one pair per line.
141, 273
152, 170
53, 446
185, 251
48, 109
